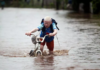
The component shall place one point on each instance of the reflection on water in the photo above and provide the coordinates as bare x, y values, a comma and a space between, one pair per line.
45, 63
78, 37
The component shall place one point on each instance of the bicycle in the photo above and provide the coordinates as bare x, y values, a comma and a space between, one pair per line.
37, 41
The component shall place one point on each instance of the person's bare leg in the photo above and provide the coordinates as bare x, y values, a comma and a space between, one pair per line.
41, 48
50, 52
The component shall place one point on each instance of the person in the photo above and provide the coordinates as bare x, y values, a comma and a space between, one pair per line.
27, 1
69, 5
81, 7
45, 28
2, 4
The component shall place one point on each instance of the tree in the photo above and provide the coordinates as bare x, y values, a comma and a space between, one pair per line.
96, 5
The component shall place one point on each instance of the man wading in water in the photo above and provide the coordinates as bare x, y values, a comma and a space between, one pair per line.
46, 27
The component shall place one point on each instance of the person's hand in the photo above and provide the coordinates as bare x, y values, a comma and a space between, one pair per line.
51, 34
28, 34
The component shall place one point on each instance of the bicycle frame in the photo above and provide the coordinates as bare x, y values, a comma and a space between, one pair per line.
37, 43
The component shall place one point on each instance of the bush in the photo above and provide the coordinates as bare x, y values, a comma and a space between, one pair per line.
51, 5
96, 5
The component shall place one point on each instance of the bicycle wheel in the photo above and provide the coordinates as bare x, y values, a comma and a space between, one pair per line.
32, 53
38, 53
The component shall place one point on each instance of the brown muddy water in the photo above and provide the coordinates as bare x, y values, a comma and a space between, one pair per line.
79, 39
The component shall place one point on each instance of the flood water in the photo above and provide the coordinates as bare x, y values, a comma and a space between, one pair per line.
77, 35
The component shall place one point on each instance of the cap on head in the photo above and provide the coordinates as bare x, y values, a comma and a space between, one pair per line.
47, 18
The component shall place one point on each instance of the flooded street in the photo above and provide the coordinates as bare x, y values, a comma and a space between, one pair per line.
77, 35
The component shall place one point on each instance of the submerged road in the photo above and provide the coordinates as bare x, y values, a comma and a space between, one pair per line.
79, 36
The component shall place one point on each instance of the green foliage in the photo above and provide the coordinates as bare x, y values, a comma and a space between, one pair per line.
35, 4
96, 5
75, 5
51, 5
66, 1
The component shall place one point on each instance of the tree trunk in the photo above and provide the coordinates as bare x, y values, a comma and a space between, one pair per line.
57, 4
42, 3
87, 7
32, 2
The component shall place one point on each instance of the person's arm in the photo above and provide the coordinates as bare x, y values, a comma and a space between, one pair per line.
54, 33
29, 33
55, 30
34, 30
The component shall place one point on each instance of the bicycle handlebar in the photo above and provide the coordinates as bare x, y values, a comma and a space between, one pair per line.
44, 38
39, 37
